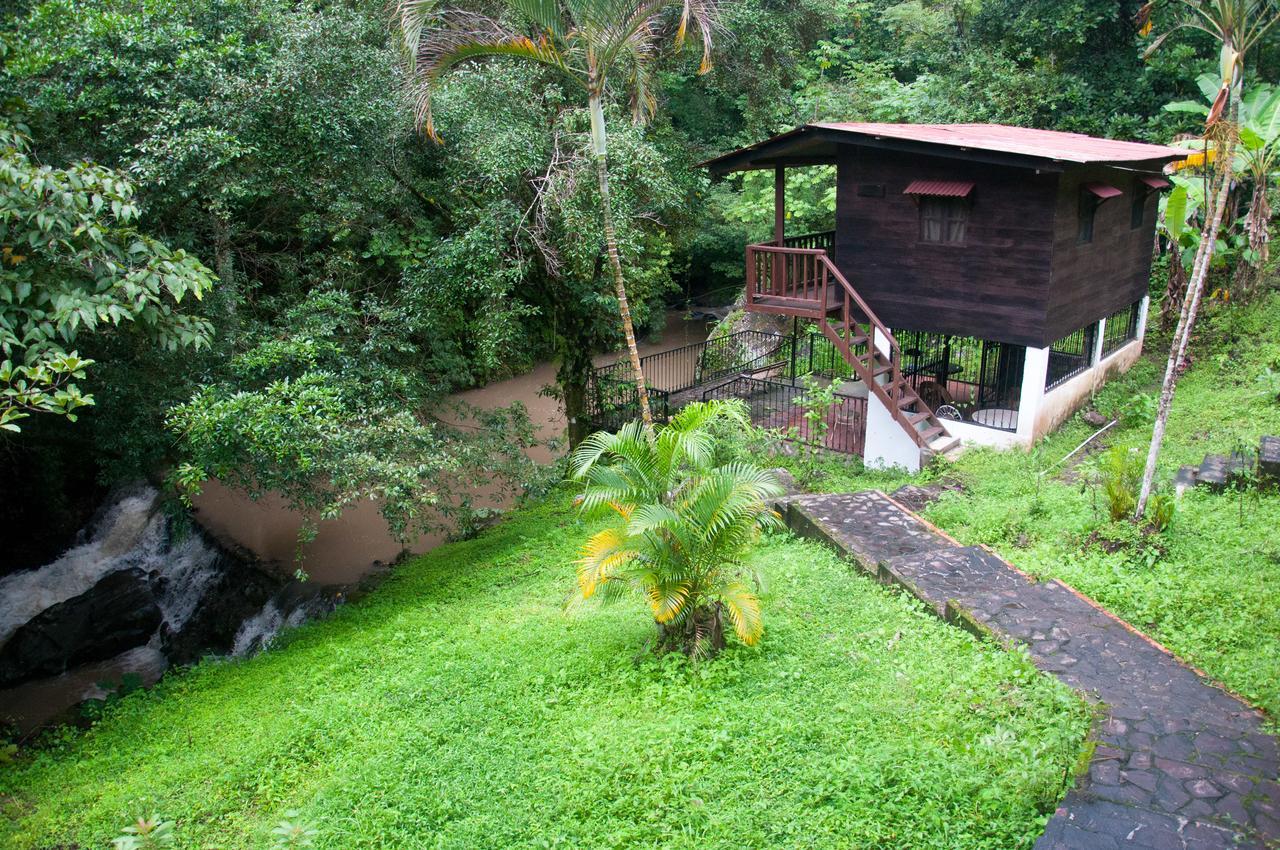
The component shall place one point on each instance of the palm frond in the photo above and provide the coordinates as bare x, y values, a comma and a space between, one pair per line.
602, 554
438, 40
744, 611
668, 600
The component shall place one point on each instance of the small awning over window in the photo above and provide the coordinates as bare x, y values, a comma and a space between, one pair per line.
1102, 190
940, 188
1155, 183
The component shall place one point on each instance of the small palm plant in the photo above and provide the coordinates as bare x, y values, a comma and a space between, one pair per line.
683, 526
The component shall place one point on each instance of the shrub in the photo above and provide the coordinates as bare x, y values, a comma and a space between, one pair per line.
684, 526
1160, 511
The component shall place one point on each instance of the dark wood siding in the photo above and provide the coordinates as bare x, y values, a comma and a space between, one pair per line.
1093, 280
995, 286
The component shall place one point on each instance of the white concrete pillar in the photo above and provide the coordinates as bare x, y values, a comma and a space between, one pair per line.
1097, 342
1035, 372
882, 342
1142, 317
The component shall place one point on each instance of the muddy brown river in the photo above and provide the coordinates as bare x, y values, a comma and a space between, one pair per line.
346, 547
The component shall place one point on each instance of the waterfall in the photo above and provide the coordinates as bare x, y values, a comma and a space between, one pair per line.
137, 591
131, 533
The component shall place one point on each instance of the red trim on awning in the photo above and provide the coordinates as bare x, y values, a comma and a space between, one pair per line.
1102, 190
940, 188
1154, 182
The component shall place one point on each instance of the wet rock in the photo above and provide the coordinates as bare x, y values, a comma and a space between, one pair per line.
787, 480
1094, 418
1269, 461
117, 613
240, 590
919, 496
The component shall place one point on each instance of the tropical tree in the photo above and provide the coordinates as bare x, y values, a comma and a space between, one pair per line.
591, 43
1257, 157
1237, 26
73, 263
682, 525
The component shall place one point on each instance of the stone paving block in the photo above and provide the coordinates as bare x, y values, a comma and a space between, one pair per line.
1185, 479
1178, 762
867, 525
1269, 461
1217, 472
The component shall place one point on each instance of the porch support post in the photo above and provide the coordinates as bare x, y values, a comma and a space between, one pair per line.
779, 203
779, 224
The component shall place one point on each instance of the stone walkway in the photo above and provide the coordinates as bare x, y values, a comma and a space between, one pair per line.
1178, 762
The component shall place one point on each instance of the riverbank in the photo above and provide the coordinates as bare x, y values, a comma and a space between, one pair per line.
459, 705
347, 551
347, 547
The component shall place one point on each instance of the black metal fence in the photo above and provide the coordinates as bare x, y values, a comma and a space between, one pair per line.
965, 379
1120, 329
612, 399
776, 405
1071, 355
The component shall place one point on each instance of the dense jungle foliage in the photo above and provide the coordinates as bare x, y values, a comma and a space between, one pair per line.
363, 273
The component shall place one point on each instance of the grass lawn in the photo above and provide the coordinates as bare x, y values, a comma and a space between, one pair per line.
1209, 587
460, 706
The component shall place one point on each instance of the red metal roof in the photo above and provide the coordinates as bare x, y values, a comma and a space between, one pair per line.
1154, 182
1102, 190
940, 188
1049, 144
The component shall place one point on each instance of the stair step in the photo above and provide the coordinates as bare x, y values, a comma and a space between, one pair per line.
930, 433
942, 445
907, 401
919, 417
880, 370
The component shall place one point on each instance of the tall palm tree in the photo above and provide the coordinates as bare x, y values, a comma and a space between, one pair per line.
1237, 26
590, 42
682, 525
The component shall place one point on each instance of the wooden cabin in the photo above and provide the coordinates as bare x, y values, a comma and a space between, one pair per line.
982, 280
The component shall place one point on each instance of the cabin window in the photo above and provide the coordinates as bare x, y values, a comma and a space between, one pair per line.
943, 220
1137, 209
1088, 211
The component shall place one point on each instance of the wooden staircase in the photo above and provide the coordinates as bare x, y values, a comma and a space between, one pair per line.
805, 282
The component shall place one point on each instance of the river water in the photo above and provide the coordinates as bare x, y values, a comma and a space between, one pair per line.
348, 546
346, 549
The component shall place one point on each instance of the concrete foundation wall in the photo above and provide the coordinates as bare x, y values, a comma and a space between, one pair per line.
887, 444
1065, 399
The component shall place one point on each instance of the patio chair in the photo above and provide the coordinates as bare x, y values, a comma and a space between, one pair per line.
934, 394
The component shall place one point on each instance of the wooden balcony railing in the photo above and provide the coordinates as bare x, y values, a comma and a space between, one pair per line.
799, 278
824, 241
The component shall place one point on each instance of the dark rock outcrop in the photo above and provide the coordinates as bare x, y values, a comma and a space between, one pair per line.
240, 591
116, 614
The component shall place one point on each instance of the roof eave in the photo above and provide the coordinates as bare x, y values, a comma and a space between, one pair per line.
771, 152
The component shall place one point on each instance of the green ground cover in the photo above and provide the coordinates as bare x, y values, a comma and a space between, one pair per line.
1209, 587
459, 705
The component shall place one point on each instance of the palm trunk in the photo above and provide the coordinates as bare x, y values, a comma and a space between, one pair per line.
1249, 272
1175, 291
611, 240
1190, 307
